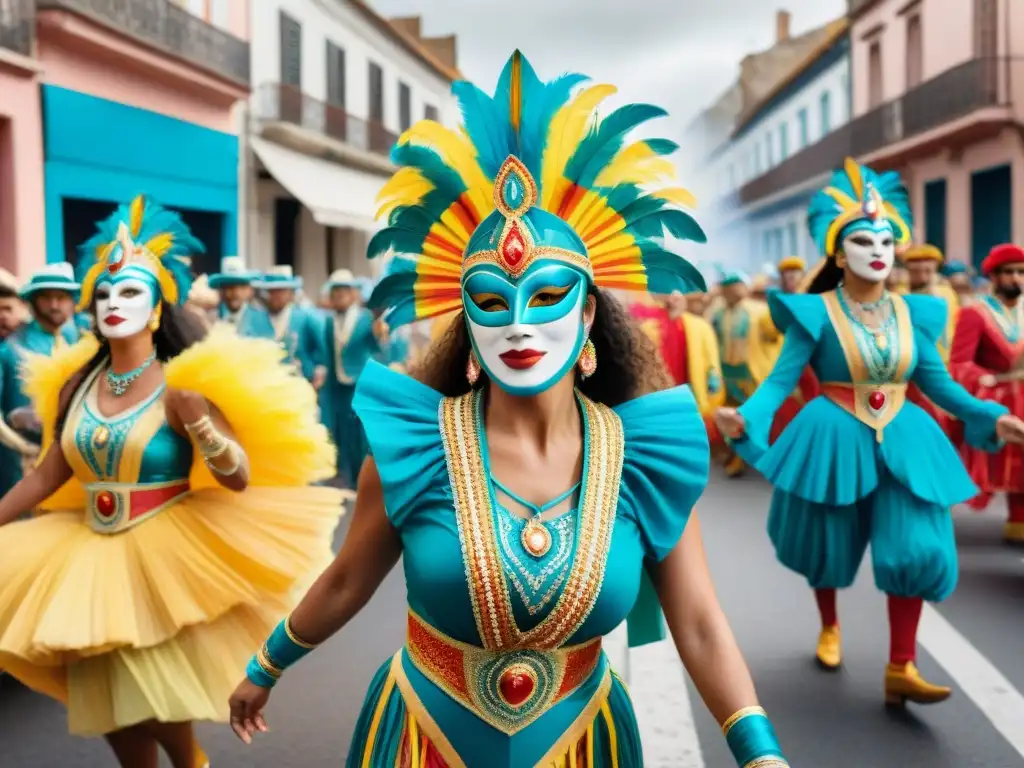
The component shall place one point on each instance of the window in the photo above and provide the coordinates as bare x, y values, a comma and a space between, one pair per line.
376, 94
783, 142
219, 13
804, 128
915, 54
430, 112
757, 160
986, 28
291, 51
404, 107
767, 244
335, 75
793, 246
875, 75
826, 113
769, 152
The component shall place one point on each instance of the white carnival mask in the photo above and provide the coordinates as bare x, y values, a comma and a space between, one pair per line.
870, 249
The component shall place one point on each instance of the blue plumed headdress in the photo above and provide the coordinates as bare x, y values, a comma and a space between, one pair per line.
857, 194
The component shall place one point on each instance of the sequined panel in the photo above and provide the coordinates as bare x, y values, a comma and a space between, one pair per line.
461, 422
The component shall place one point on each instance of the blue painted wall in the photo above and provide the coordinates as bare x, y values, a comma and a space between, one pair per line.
106, 151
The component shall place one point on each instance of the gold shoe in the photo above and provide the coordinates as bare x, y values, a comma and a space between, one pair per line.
199, 758
830, 652
904, 683
1014, 534
734, 466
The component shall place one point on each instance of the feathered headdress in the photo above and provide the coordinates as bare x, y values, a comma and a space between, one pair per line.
857, 193
141, 235
532, 174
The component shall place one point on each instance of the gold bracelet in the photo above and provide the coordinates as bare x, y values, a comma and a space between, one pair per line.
209, 440
729, 724
267, 664
237, 457
295, 638
767, 762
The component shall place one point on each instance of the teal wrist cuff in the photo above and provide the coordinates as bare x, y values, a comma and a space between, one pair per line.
752, 740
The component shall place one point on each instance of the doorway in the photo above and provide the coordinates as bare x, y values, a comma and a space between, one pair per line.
991, 210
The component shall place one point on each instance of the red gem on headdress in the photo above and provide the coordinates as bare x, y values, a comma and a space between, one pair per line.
876, 400
516, 687
514, 248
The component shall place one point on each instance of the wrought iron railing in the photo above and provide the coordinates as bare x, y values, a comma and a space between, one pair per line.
953, 94
163, 24
286, 103
17, 24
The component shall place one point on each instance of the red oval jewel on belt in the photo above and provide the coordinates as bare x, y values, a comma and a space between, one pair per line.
876, 400
516, 686
106, 504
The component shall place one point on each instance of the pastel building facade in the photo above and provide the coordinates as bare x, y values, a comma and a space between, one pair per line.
335, 84
141, 97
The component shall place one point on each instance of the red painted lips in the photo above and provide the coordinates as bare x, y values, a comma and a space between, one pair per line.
521, 359
113, 320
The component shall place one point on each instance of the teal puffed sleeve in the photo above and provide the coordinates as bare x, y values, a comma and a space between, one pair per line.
400, 417
928, 315
664, 471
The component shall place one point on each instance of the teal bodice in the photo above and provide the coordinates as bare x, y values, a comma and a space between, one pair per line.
30, 338
468, 571
252, 321
834, 449
135, 446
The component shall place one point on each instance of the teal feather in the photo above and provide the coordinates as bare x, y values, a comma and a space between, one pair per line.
605, 140
395, 240
481, 119
662, 147
156, 220
432, 167
679, 223
541, 102
668, 272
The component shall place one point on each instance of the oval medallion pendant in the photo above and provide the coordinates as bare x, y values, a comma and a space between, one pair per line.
100, 438
536, 539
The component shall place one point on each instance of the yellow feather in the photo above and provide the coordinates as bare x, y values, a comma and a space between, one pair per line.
841, 197
610, 245
406, 187
457, 151
89, 282
677, 195
853, 171
567, 130
136, 211
515, 107
158, 245
651, 171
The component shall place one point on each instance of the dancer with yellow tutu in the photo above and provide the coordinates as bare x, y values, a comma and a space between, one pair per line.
175, 516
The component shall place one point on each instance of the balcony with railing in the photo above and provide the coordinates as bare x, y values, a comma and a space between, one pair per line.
955, 94
280, 103
165, 26
17, 25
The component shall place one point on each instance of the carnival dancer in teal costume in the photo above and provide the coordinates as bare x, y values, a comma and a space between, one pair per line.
51, 294
860, 463
351, 337
535, 470
296, 328
236, 284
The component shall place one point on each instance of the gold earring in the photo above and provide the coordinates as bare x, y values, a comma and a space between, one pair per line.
588, 360
472, 369
154, 321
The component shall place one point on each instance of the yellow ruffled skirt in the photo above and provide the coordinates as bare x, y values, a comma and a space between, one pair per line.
157, 622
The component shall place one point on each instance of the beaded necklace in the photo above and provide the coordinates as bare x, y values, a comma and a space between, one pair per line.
119, 382
878, 345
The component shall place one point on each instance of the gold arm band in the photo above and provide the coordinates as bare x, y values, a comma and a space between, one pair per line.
739, 715
767, 762
295, 638
207, 437
266, 664
226, 461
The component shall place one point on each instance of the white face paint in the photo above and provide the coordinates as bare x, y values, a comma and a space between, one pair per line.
124, 307
871, 252
526, 359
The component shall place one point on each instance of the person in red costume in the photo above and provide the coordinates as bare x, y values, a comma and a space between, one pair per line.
791, 276
987, 358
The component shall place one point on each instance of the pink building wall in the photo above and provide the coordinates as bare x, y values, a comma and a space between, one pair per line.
22, 218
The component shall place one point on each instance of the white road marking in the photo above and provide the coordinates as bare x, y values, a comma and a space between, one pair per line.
991, 692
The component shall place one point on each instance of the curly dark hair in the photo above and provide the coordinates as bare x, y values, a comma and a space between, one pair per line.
629, 365
178, 331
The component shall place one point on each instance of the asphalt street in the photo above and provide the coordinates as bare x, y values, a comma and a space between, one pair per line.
974, 642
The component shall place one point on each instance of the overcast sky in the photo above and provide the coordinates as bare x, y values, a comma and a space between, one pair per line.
679, 54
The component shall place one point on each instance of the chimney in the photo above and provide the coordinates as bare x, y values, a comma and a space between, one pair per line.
410, 25
782, 19
444, 49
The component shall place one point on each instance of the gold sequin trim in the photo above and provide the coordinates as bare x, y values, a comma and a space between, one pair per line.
295, 638
735, 717
767, 762
267, 664
533, 253
461, 426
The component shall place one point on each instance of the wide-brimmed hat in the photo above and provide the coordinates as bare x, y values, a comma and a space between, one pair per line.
341, 278
280, 276
52, 277
233, 271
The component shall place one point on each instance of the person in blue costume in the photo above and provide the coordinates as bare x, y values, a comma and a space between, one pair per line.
50, 294
860, 464
351, 337
235, 282
396, 353
14, 449
296, 328
540, 465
